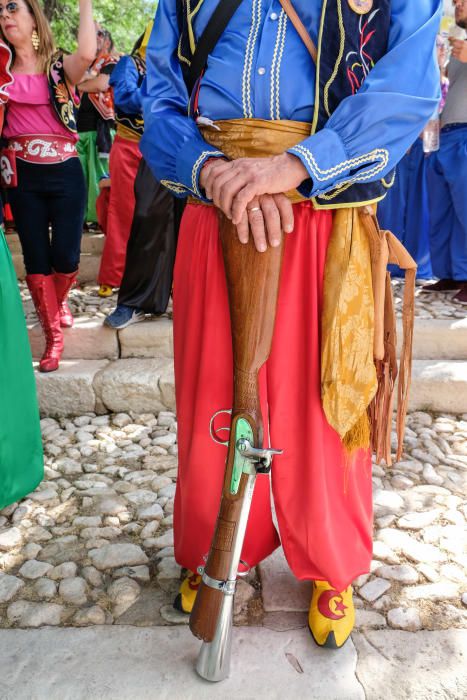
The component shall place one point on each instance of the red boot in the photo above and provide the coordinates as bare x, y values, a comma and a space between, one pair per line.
63, 283
43, 294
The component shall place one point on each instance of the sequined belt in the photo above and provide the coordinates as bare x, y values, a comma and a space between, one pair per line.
43, 148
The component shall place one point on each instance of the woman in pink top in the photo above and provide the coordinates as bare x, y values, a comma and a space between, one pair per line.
49, 186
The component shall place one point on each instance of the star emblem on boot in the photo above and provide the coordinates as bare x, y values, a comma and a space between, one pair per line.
331, 617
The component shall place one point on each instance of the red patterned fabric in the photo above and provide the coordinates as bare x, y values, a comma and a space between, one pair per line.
103, 101
323, 505
6, 79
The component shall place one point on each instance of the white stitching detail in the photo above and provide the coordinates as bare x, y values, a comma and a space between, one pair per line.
278, 68
247, 59
196, 167
249, 54
175, 186
273, 64
380, 155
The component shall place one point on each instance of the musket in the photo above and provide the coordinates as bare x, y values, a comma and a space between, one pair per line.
253, 285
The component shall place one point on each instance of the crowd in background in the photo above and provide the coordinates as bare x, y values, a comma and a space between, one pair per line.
426, 207
86, 108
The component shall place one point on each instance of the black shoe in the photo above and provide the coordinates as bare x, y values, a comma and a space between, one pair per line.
446, 285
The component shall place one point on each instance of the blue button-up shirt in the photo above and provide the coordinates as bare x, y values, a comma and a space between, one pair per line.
125, 83
260, 68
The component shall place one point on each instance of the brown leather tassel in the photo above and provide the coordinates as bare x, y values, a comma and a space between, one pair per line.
405, 363
385, 247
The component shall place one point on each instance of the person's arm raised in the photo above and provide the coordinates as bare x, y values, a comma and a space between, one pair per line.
76, 63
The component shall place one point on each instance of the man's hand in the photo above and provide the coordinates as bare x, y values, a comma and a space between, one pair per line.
459, 49
232, 185
267, 217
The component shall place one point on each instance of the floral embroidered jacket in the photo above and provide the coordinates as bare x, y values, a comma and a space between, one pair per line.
63, 97
375, 87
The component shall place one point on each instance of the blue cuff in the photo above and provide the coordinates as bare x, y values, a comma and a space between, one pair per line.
326, 160
189, 161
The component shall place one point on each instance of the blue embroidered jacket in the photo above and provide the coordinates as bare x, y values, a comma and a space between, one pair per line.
375, 86
126, 80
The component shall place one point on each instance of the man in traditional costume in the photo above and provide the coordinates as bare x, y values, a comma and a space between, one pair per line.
264, 120
124, 161
447, 177
96, 120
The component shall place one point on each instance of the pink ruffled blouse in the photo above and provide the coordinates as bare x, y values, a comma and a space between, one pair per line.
29, 109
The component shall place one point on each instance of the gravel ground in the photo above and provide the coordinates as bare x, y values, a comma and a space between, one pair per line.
94, 543
85, 302
432, 305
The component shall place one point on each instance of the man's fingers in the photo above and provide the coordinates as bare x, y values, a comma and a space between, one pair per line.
230, 190
241, 200
243, 229
272, 220
210, 172
285, 208
219, 181
258, 231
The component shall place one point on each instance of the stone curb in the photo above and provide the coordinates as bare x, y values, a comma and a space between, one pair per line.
147, 385
439, 386
89, 339
100, 386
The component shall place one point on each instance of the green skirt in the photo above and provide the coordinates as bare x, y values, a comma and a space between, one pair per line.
21, 457
94, 167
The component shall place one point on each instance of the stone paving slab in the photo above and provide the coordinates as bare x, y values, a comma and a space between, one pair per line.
439, 386
137, 385
280, 589
126, 662
395, 665
437, 338
70, 389
89, 339
151, 338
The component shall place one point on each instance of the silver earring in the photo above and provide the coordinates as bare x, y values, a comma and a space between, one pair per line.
35, 40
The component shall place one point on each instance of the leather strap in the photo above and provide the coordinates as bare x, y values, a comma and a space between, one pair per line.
300, 27
216, 26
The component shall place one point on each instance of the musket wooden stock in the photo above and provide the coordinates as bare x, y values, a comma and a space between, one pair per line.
253, 285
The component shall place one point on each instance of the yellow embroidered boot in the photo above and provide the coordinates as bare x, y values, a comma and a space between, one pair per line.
332, 615
185, 598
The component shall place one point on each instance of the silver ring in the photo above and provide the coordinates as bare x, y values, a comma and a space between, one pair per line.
254, 209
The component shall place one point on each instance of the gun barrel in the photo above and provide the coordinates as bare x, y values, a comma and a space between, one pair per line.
210, 601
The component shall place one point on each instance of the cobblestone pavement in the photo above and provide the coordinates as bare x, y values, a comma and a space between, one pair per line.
94, 543
85, 302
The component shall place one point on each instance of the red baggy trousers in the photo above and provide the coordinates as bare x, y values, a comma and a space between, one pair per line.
124, 161
323, 502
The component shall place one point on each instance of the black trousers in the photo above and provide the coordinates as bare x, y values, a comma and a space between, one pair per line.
150, 256
49, 195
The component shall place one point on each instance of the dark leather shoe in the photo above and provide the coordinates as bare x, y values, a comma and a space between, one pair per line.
443, 286
461, 297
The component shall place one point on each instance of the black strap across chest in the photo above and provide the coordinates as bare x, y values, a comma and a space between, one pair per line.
219, 20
